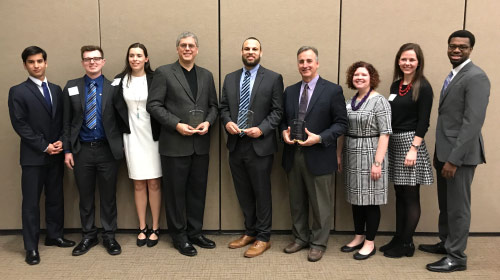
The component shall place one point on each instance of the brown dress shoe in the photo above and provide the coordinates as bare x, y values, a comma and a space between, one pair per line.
243, 241
293, 248
257, 248
314, 255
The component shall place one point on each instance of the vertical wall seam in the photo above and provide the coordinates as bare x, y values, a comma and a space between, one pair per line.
220, 123
99, 21
338, 82
465, 13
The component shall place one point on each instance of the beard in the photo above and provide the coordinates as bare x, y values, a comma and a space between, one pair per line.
250, 64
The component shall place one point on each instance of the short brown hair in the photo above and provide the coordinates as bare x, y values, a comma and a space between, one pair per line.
91, 48
374, 78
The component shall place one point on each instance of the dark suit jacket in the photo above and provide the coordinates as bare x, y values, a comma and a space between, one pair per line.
122, 108
32, 120
169, 102
74, 109
461, 114
326, 115
266, 101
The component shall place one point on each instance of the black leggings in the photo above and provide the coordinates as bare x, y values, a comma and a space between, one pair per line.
407, 211
368, 215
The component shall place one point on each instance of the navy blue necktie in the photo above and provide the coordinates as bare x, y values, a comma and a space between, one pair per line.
446, 83
91, 106
46, 95
244, 103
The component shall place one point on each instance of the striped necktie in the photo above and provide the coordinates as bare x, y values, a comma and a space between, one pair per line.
244, 103
446, 82
91, 106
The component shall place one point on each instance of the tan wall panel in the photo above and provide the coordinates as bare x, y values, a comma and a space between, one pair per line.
157, 26
61, 28
374, 33
282, 27
482, 20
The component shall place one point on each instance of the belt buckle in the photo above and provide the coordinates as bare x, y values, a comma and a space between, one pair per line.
94, 144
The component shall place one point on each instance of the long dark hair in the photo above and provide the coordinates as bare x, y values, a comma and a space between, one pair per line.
419, 72
127, 70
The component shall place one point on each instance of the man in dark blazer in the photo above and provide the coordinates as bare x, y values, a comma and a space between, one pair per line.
178, 92
311, 162
35, 108
459, 149
252, 141
93, 146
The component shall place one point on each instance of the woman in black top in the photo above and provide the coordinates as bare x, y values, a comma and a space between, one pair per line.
409, 163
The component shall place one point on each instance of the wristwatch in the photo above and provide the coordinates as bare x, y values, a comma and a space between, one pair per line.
415, 146
377, 163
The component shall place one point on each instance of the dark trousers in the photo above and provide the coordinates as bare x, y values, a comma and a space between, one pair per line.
307, 190
252, 182
454, 200
34, 179
184, 191
96, 164
366, 216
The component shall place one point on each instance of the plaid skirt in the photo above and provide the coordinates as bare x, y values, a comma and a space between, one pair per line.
420, 173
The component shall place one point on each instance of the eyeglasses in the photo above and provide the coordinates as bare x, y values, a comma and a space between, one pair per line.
89, 59
460, 47
185, 46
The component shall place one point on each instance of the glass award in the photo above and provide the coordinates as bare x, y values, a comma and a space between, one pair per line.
298, 130
195, 118
249, 120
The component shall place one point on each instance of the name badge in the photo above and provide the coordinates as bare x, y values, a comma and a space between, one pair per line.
73, 91
116, 82
392, 96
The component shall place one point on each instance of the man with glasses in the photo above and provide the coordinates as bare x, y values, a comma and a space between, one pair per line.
459, 149
93, 145
183, 100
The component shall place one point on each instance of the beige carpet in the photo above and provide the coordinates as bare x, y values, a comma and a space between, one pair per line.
164, 262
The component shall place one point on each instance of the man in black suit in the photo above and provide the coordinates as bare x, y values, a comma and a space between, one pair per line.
93, 145
182, 99
252, 141
35, 108
311, 162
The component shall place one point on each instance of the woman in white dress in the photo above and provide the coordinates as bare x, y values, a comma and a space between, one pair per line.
141, 140
364, 158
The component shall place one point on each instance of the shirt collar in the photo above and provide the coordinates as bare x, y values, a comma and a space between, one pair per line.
459, 67
37, 81
253, 70
312, 83
88, 79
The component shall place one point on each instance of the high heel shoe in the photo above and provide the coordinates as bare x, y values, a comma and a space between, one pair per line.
395, 241
404, 249
153, 242
142, 242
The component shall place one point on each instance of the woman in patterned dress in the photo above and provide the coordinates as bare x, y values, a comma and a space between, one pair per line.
141, 140
364, 157
409, 162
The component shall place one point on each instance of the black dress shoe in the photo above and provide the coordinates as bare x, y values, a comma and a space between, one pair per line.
347, 249
153, 242
32, 257
59, 242
202, 241
394, 241
437, 248
186, 249
112, 246
400, 250
446, 265
361, 257
142, 242
84, 246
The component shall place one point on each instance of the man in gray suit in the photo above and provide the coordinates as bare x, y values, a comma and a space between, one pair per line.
459, 149
252, 141
178, 92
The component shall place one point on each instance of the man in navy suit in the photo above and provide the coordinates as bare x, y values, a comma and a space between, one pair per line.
35, 108
310, 162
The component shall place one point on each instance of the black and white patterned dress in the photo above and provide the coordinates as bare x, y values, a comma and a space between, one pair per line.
372, 119
410, 118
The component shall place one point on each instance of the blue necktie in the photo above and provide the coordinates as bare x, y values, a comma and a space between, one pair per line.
91, 106
46, 94
446, 82
244, 103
